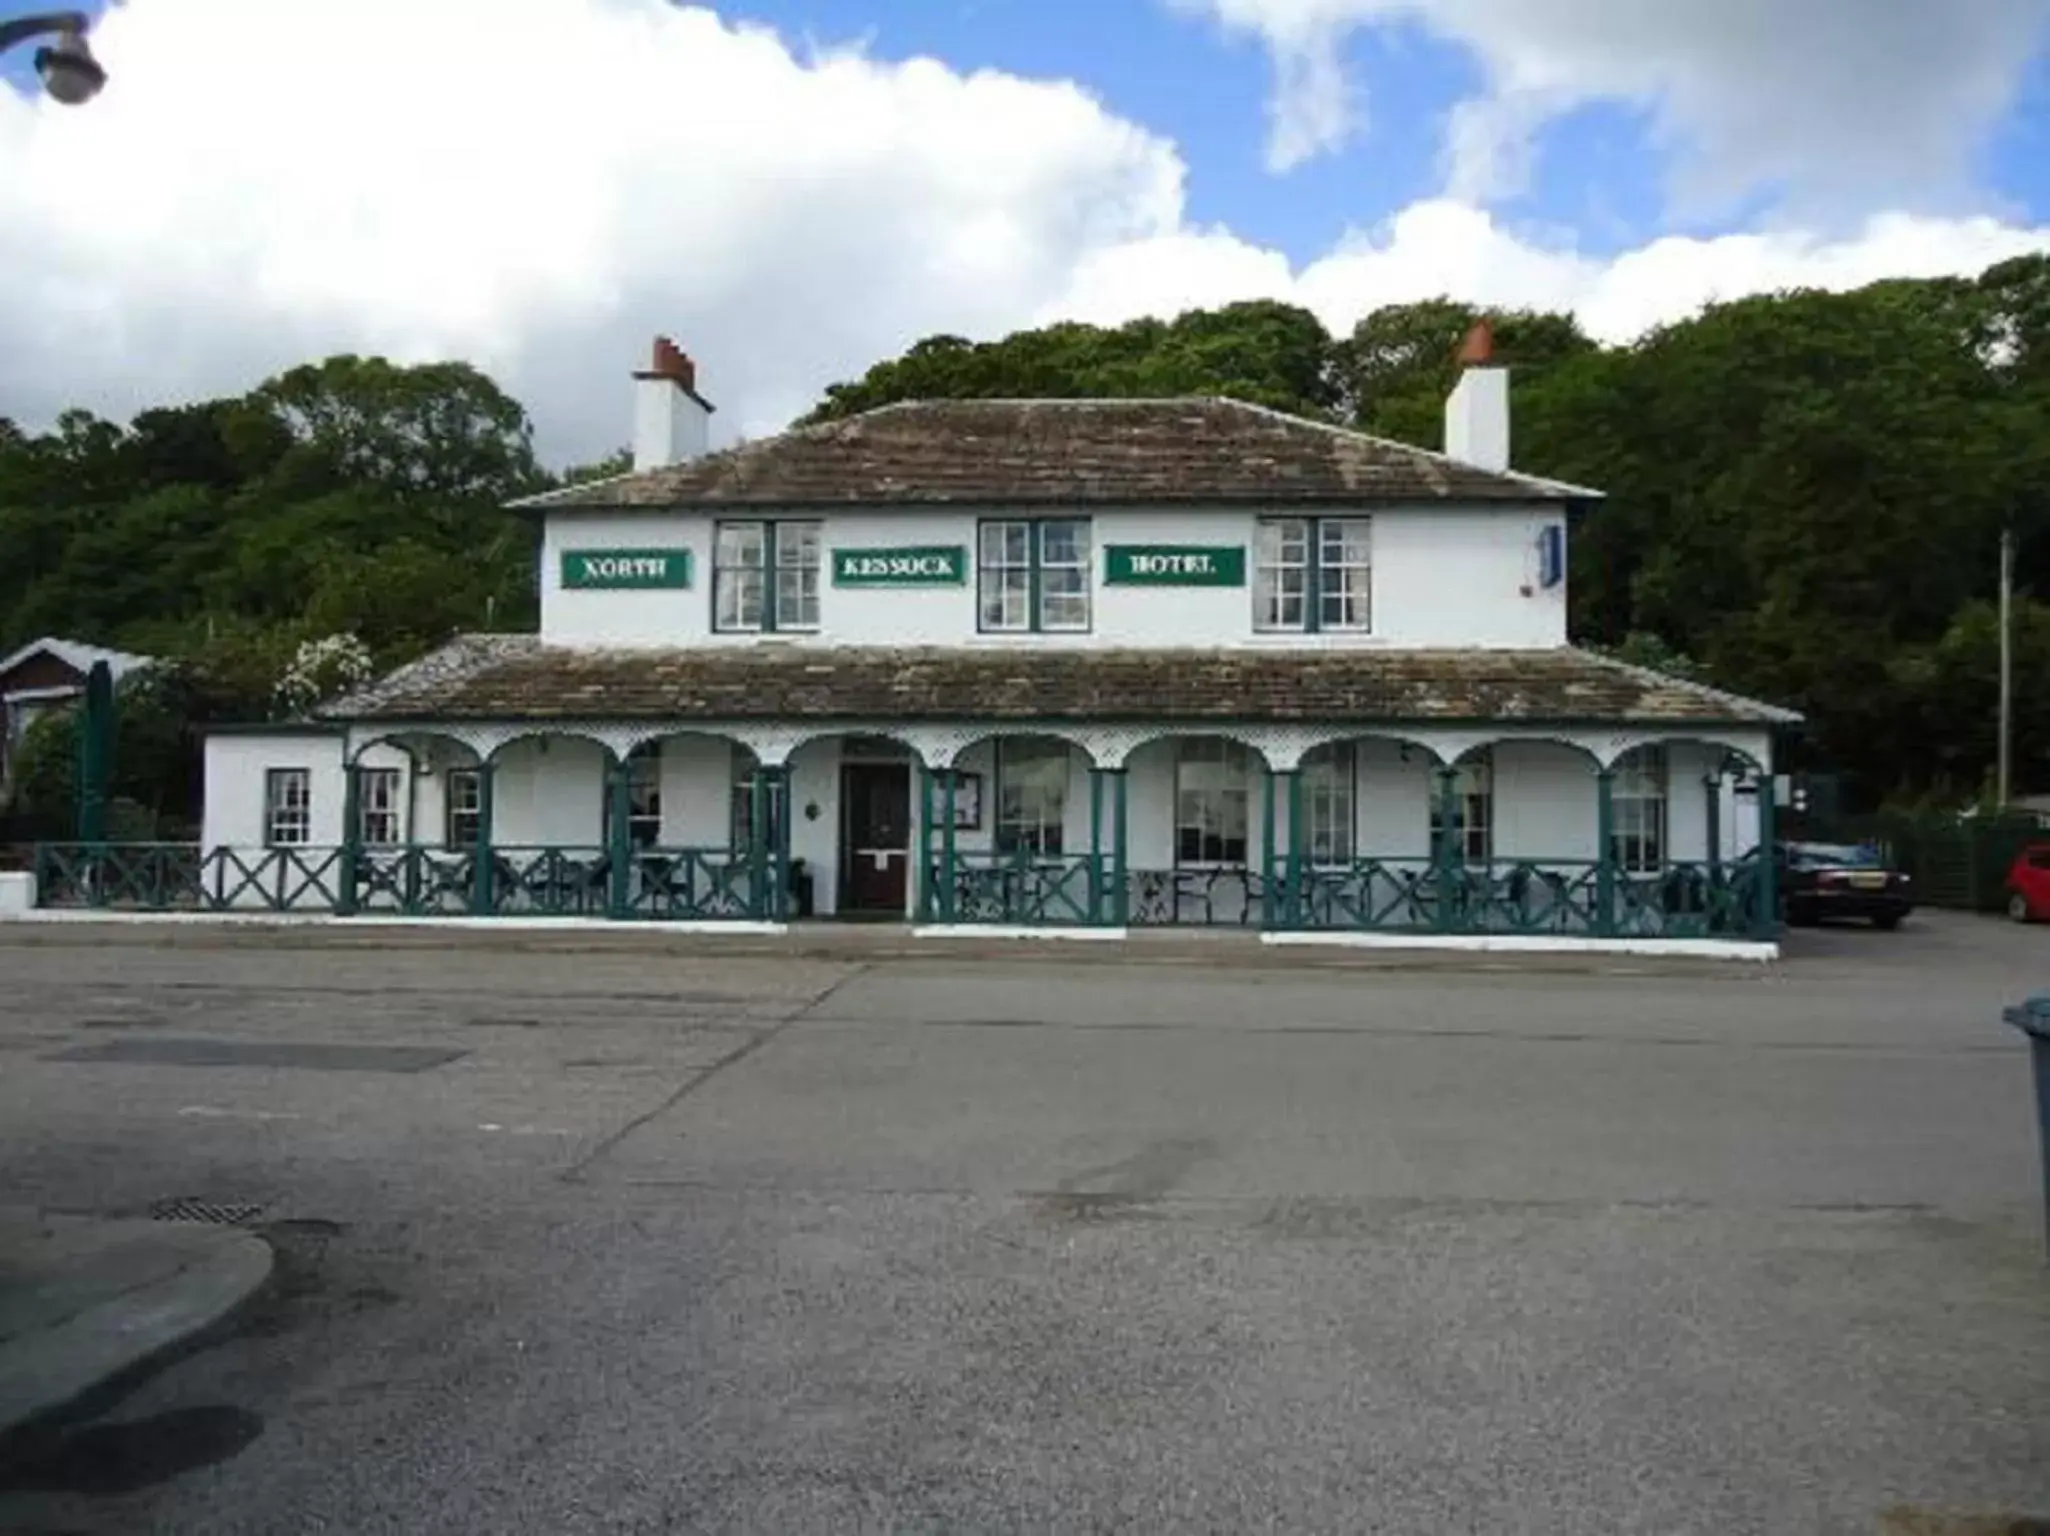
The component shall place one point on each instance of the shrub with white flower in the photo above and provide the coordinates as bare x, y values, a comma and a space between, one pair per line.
323, 669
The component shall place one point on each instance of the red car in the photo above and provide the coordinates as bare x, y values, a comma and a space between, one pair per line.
2028, 885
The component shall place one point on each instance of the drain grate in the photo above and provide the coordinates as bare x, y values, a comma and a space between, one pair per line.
219, 1213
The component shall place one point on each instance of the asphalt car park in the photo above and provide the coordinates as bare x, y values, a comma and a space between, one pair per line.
644, 1238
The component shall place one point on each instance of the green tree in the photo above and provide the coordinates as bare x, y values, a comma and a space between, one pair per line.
1263, 351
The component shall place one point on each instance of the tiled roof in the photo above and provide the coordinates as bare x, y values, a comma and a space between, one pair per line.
517, 677
75, 654
1067, 452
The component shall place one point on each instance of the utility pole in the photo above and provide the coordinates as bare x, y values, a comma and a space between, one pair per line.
2001, 782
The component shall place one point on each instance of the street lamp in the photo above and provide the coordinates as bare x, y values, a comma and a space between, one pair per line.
70, 72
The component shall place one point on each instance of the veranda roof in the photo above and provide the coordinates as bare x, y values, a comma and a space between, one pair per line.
518, 677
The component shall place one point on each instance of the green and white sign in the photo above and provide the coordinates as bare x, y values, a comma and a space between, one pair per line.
626, 568
1174, 565
929, 566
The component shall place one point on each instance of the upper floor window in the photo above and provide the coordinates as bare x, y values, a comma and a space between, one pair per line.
1033, 574
378, 807
1638, 803
1313, 573
765, 576
287, 807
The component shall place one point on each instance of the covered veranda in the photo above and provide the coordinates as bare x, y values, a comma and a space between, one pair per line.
1555, 794
1281, 829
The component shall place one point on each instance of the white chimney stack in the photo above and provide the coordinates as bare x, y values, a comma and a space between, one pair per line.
672, 421
1477, 410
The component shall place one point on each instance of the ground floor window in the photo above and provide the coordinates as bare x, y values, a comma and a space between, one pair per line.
287, 807
1637, 841
1473, 811
1210, 800
377, 823
1032, 795
1327, 799
740, 834
463, 807
644, 795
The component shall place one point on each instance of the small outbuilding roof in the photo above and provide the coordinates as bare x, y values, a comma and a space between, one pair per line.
950, 453
75, 654
518, 677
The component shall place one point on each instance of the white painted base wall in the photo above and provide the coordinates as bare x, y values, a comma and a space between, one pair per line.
550, 792
1531, 944
17, 892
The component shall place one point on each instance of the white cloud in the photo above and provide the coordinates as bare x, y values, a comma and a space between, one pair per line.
1846, 104
539, 188
1448, 248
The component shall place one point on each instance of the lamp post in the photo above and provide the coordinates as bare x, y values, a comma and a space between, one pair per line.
69, 71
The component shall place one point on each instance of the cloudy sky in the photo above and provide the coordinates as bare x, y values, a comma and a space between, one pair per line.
797, 188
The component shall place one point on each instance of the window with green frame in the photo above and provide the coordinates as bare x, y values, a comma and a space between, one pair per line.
765, 576
740, 804
462, 807
1473, 810
1312, 574
1032, 574
1032, 795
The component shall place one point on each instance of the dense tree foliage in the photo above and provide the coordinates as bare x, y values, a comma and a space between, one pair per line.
348, 495
1805, 495
1805, 490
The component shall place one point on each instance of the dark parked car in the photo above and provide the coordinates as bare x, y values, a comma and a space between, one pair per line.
1826, 880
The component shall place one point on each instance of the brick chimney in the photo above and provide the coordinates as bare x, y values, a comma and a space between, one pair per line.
672, 421
1477, 410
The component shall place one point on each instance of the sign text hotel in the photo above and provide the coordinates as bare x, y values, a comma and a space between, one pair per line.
1174, 565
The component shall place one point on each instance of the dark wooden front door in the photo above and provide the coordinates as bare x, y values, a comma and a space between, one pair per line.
875, 837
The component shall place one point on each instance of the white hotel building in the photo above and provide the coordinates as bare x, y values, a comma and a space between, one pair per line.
1052, 665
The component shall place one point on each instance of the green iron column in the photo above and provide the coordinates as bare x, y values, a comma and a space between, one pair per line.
922, 891
779, 839
618, 840
1293, 910
1096, 880
95, 760
1446, 854
1120, 874
949, 896
758, 904
1604, 852
352, 840
1712, 787
1270, 905
1766, 922
483, 897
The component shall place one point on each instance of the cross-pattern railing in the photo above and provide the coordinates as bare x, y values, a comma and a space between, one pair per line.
1367, 894
1527, 896
1227, 896
170, 877
699, 885
1556, 897
122, 876
1692, 900
1559, 897
672, 884
417, 881
1034, 890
